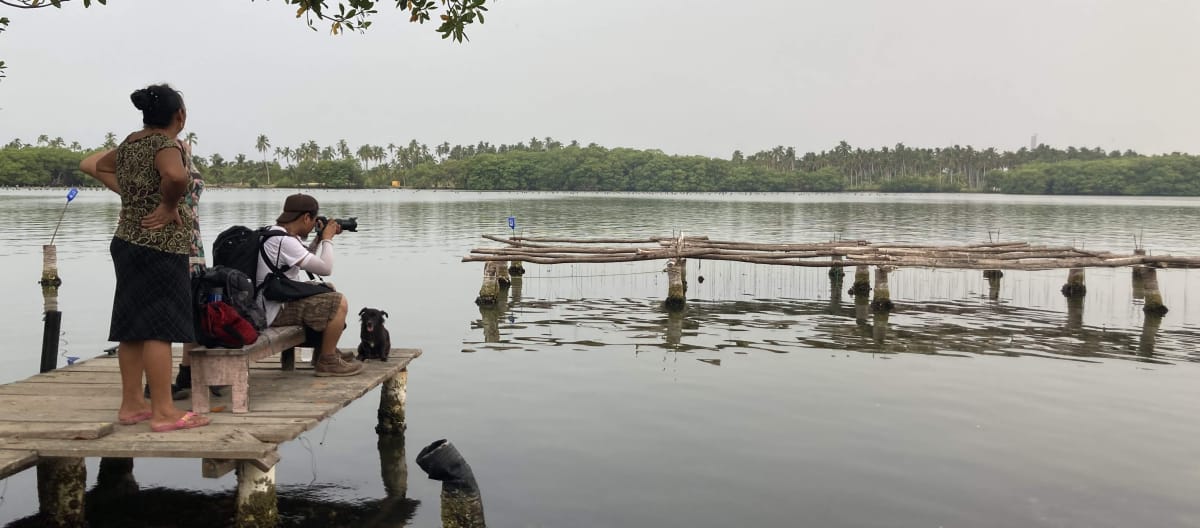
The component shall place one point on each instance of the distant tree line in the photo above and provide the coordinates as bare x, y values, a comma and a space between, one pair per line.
551, 165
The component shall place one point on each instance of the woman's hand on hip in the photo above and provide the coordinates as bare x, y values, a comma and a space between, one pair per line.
162, 216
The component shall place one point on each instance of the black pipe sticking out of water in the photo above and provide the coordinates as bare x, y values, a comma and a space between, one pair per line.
462, 506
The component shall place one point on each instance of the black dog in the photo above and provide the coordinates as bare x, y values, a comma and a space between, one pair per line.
376, 341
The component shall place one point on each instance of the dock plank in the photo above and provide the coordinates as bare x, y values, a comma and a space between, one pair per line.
13, 461
59, 430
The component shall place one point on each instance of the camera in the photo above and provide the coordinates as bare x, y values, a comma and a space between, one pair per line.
347, 224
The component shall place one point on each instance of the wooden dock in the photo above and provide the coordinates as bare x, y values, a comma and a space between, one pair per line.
56, 419
991, 257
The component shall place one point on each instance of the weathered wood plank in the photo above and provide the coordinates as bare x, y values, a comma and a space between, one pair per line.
60, 430
270, 341
13, 461
138, 441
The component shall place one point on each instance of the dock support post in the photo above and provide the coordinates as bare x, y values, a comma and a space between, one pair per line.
1154, 304
516, 268
675, 289
883, 295
491, 286
257, 505
502, 277
993, 278
862, 281
61, 483
1075, 286
1138, 270
392, 398
836, 273
53, 317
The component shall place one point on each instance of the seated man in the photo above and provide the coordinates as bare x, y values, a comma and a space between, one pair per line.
324, 312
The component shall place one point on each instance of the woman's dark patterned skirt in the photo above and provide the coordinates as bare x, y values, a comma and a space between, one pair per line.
153, 300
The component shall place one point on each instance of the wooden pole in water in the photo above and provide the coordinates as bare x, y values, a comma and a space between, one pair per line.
516, 269
257, 504
502, 277
862, 307
1154, 304
392, 399
836, 273
61, 483
491, 286
883, 295
675, 289
993, 278
53, 317
1137, 270
1075, 286
862, 280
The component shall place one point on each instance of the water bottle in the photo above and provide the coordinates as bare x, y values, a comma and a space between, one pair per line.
216, 294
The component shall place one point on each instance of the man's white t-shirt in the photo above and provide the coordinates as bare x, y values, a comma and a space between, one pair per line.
286, 250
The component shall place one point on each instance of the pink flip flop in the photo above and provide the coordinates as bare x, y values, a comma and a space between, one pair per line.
135, 419
190, 420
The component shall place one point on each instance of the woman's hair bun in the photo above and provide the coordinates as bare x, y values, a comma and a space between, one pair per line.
142, 99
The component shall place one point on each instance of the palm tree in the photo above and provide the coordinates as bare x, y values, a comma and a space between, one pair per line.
343, 149
76, 147
43, 139
262, 145
365, 153
190, 139
110, 141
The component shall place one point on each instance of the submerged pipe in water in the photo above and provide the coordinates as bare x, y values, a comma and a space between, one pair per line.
462, 506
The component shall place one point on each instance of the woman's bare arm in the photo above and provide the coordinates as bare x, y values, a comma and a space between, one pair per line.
103, 167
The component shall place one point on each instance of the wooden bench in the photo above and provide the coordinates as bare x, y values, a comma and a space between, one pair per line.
231, 366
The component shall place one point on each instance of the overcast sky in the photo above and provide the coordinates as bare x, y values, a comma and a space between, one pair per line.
685, 76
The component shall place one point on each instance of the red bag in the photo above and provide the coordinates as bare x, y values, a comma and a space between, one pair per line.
221, 324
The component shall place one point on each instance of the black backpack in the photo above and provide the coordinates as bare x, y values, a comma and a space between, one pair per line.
237, 247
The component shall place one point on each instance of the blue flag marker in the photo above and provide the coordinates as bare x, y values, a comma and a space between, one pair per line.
512, 223
70, 196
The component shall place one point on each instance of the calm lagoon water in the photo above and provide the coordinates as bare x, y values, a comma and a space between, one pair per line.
768, 402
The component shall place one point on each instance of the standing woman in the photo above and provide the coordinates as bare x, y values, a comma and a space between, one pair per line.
152, 305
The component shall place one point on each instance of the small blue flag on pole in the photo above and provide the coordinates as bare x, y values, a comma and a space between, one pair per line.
512, 222
71, 194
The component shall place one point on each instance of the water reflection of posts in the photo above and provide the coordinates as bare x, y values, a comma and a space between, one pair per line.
393, 466
835, 293
462, 505
993, 279
1150, 325
674, 332
862, 307
1074, 313
880, 329
1139, 283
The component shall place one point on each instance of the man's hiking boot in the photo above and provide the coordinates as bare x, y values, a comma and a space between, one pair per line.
347, 356
334, 365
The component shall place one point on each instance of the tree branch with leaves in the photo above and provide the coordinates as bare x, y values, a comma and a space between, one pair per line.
340, 15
